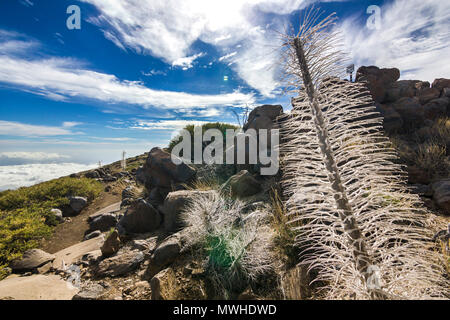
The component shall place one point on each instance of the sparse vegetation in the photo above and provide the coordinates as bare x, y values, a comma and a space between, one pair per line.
25, 216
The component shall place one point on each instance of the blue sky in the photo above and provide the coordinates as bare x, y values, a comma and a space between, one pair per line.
139, 70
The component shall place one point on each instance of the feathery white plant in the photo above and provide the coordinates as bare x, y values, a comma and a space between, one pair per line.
367, 236
237, 242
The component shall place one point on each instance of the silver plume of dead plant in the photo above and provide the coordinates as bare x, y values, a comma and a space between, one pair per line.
357, 224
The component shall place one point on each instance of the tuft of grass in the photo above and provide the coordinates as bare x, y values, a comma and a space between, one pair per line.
284, 234
25, 216
234, 243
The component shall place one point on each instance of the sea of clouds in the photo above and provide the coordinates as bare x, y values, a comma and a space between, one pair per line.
23, 169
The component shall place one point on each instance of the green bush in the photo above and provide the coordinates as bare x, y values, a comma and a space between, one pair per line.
25, 216
213, 125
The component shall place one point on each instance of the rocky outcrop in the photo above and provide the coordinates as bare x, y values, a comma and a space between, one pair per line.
441, 195
73, 254
111, 245
31, 260
103, 222
164, 285
242, 185
165, 254
378, 80
162, 174
140, 217
120, 264
174, 204
77, 203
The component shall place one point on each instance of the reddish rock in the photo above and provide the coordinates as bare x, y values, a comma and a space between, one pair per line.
401, 89
410, 110
140, 217
441, 83
160, 171
427, 94
436, 108
393, 122
378, 80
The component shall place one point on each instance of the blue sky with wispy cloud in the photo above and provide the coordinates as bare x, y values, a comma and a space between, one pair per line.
140, 70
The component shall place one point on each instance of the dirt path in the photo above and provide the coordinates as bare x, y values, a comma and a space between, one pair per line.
70, 233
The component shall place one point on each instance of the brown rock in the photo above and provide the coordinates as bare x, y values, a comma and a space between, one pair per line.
410, 110
441, 83
111, 245
427, 94
164, 285
417, 175
31, 260
242, 185
164, 255
436, 108
160, 171
401, 89
378, 80
140, 217
120, 264
70, 255
441, 195
174, 204
393, 122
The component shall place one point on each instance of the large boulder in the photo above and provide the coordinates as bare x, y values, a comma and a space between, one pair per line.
31, 259
140, 217
427, 94
164, 255
103, 222
441, 195
264, 117
411, 112
436, 108
120, 264
174, 204
160, 171
401, 89
441, 83
73, 254
378, 80
393, 122
242, 185
140, 175
77, 203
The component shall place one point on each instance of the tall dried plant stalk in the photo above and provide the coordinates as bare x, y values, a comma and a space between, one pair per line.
357, 224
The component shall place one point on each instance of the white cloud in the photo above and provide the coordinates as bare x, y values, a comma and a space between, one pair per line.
64, 78
186, 62
413, 37
71, 124
165, 124
14, 158
167, 29
12, 177
26, 130
228, 56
